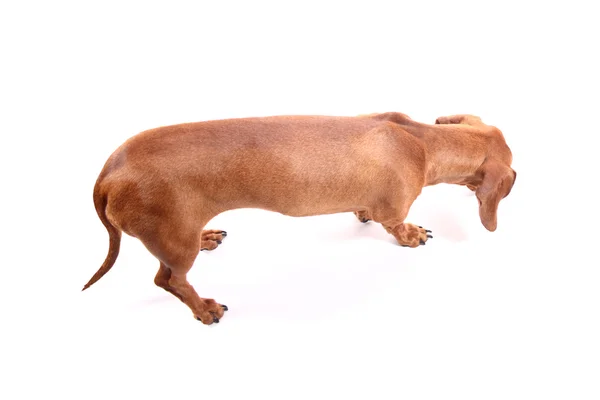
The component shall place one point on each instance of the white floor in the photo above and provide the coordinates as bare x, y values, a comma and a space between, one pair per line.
322, 307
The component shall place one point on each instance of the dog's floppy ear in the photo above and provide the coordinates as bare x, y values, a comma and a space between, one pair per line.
497, 182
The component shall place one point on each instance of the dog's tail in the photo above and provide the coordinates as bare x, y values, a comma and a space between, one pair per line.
114, 236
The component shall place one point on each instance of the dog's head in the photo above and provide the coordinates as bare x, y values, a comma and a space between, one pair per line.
495, 178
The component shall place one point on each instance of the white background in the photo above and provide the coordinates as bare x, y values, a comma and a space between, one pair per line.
320, 307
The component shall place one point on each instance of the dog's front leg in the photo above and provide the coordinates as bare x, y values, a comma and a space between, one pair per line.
407, 235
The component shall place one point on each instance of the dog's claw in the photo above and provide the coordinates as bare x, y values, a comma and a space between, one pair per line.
219, 242
430, 236
215, 318
224, 307
364, 220
422, 242
427, 230
223, 233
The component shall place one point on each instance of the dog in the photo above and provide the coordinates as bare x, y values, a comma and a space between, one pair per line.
164, 185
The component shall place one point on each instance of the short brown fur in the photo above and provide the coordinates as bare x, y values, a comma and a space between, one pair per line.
164, 185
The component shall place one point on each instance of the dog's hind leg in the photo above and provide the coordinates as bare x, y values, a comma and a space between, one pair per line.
170, 225
162, 280
205, 310
177, 258
176, 243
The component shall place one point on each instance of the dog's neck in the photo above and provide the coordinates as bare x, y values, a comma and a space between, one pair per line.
454, 154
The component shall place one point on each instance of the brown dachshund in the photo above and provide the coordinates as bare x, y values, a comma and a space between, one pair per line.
164, 185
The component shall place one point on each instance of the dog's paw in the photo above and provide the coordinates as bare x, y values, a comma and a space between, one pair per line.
211, 313
409, 235
363, 216
211, 239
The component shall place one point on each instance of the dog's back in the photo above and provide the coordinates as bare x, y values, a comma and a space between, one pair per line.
296, 165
